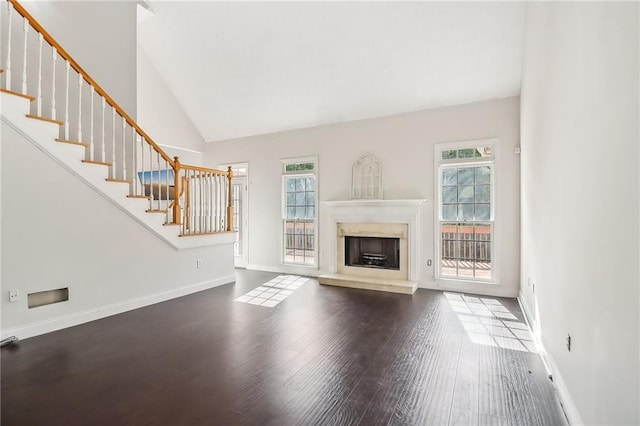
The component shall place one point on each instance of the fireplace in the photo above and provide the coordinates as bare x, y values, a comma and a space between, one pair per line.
372, 252
370, 244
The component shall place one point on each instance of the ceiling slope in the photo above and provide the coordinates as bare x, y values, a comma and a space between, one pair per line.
241, 69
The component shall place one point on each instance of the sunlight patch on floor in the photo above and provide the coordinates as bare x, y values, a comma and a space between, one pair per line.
273, 291
488, 322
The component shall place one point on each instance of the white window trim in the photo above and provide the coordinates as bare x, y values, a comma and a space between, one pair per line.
495, 241
283, 203
245, 237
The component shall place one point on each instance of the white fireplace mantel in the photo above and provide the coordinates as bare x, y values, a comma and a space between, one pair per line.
370, 211
373, 203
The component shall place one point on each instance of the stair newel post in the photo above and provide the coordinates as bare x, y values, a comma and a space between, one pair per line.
7, 80
177, 215
229, 200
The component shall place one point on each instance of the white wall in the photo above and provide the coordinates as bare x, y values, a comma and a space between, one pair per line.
58, 232
580, 201
405, 145
162, 118
101, 37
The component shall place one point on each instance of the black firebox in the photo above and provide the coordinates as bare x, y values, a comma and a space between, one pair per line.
372, 252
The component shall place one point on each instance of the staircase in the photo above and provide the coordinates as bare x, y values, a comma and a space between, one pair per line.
48, 98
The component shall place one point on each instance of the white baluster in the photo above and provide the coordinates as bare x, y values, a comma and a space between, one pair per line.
66, 106
183, 204
93, 91
215, 202
104, 134
209, 202
8, 70
150, 177
219, 202
39, 106
80, 81
142, 163
166, 178
196, 203
222, 203
113, 143
134, 157
25, 27
202, 213
206, 202
54, 57
167, 167
124, 149
159, 181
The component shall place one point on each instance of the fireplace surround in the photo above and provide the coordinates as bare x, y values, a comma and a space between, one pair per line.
384, 231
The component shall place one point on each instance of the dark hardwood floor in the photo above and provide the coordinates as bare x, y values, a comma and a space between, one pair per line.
323, 356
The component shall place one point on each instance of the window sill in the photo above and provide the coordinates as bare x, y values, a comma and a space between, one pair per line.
465, 281
299, 265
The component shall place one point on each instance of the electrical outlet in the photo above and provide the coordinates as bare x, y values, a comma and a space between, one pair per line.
429, 262
14, 295
569, 342
199, 263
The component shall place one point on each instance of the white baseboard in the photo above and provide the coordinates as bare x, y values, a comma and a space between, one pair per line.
285, 269
569, 407
93, 314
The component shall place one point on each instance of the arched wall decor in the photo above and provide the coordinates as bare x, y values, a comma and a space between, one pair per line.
366, 178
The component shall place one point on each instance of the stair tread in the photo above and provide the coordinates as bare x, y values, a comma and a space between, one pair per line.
72, 142
97, 162
47, 119
139, 196
22, 95
118, 180
156, 211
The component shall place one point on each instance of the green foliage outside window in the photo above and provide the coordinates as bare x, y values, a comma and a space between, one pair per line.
297, 167
449, 154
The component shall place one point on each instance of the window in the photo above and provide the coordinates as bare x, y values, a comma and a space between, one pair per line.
466, 211
299, 211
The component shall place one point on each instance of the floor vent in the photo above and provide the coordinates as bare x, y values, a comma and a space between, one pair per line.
48, 297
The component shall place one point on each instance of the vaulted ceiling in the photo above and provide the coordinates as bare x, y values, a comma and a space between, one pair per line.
240, 69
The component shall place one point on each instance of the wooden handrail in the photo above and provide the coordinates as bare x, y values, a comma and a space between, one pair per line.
36, 25
204, 169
